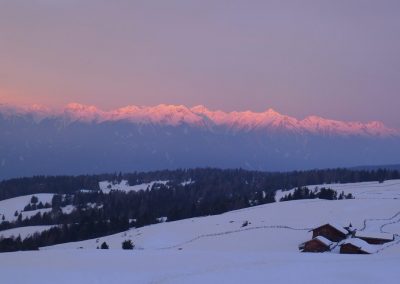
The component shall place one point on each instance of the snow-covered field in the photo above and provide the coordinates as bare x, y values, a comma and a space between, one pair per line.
24, 232
9, 206
217, 249
362, 190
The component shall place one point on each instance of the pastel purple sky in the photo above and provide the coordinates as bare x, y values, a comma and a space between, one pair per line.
338, 59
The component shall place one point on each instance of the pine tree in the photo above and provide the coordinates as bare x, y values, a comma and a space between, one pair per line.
104, 245
34, 199
127, 244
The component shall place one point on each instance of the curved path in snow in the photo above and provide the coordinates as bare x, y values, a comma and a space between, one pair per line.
234, 232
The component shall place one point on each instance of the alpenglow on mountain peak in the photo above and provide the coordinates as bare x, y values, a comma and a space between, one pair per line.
201, 116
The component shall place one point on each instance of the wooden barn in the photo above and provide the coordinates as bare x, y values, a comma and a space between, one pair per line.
317, 244
330, 231
356, 246
374, 238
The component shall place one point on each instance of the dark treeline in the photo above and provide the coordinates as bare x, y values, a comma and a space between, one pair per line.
322, 193
266, 180
96, 214
145, 207
46, 184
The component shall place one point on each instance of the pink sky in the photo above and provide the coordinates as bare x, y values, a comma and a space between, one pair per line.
335, 59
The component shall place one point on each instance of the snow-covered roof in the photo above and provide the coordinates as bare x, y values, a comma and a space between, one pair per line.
333, 225
323, 240
374, 235
359, 243
339, 228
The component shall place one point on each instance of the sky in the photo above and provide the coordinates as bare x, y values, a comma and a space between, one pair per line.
338, 59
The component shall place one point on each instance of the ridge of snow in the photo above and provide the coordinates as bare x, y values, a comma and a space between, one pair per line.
80, 112
161, 114
339, 228
359, 243
201, 116
324, 240
374, 235
336, 226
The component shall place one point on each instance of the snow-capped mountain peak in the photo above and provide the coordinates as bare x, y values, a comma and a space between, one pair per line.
201, 116
80, 112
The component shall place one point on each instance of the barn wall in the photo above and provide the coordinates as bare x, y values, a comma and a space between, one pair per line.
350, 249
374, 241
329, 233
314, 246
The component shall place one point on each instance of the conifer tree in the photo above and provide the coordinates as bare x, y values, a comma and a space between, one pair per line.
104, 245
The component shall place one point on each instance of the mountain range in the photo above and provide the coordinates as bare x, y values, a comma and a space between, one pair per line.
85, 139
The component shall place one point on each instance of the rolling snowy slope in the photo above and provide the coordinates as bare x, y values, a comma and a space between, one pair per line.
362, 190
9, 206
217, 249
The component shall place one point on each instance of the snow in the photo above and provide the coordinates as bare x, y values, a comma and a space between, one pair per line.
339, 228
272, 220
102, 266
24, 232
364, 246
187, 182
9, 206
336, 226
362, 190
215, 249
107, 186
324, 240
162, 219
68, 209
175, 115
374, 235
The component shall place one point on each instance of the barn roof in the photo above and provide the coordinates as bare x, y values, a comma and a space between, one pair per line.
320, 239
374, 235
323, 240
360, 244
335, 226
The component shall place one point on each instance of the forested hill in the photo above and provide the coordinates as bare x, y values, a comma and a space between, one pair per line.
83, 207
201, 180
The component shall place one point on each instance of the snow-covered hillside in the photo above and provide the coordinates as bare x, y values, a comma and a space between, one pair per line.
24, 232
362, 190
217, 249
9, 206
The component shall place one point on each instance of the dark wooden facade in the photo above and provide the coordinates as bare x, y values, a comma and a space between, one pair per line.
374, 241
314, 246
329, 232
351, 249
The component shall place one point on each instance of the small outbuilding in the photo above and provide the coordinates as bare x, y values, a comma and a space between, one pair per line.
317, 244
332, 232
356, 246
374, 238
